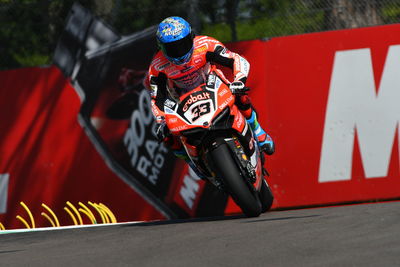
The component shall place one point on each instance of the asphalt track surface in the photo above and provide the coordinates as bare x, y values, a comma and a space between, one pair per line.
355, 235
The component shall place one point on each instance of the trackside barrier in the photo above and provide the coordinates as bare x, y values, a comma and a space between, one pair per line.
106, 215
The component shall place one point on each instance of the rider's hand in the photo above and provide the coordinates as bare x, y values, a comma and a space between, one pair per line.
162, 132
238, 88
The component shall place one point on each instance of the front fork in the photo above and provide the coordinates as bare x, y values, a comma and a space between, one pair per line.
250, 165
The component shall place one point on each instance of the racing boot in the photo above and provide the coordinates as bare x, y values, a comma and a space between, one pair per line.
265, 142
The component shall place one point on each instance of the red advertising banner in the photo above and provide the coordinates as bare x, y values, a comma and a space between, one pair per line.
330, 101
46, 156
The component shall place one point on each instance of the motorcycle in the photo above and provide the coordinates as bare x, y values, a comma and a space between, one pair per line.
220, 142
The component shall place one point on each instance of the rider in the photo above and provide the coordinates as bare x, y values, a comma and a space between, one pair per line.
179, 67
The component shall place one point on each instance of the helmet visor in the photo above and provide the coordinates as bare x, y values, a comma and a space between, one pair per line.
178, 48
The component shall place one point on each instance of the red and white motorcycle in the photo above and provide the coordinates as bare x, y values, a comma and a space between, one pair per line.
220, 143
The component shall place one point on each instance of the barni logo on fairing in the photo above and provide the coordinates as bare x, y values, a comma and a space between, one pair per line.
355, 107
194, 98
169, 103
211, 81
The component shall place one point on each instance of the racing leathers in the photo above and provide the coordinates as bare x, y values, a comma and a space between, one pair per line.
165, 79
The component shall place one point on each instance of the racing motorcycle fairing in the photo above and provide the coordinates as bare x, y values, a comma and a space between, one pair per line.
207, 117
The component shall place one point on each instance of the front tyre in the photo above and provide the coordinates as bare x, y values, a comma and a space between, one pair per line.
225, 168
266, 197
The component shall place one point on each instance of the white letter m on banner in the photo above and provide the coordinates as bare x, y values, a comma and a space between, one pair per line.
354, 104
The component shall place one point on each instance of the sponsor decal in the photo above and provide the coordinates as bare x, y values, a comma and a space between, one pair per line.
168, 110
155, 109
187, 68
169, 103
237, 62
211, 81
176, 28
226, 102
197, 60
190, 188
160, 119
353, 108
201, 49
147, 155
190, 81
223, 92
172, 120
193, 98
240, 121
179, 128
244, 65
162, 67
218, 83
174, 73
226, 53
153, 92
200, 110
251, 144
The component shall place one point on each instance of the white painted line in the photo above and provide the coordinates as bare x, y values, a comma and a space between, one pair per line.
42, 229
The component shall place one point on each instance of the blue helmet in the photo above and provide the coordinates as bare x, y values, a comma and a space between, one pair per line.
175, 39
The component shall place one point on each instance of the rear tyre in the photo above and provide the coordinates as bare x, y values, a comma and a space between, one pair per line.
266, 197
225, 168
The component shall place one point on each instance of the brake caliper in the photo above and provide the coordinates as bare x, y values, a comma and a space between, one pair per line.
244, 161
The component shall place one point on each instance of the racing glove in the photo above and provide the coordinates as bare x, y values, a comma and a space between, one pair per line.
162, 132
238, 88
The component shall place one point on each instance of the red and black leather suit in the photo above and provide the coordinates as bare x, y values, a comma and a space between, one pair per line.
165, 78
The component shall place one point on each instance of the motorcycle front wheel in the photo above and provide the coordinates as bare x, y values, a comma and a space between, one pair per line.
266, 197
226, 169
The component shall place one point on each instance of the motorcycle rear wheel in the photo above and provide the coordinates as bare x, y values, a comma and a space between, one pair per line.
225, 168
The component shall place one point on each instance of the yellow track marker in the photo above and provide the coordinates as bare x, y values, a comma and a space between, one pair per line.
88, 215
48, 218
76, 212
92, 218
112, 216
72, 215
29, 213
106, 216
52, 214
2, 226
98, 210
23, 221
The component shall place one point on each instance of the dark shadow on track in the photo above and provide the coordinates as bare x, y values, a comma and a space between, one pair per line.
214, 219
193, 220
